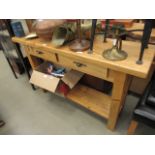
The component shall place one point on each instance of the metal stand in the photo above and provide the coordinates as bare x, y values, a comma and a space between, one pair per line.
145, 39
144, 42
106, 28
94, 21
79, 44
19, 53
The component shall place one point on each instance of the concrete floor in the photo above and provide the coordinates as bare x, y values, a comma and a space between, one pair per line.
34, 112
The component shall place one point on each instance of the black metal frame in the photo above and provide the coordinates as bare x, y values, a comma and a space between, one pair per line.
12, 69
18, 51
5, 54
106, 29
144, 41
145, 38
94, 21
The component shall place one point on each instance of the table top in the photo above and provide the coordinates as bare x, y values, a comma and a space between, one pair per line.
140, 26
127, 66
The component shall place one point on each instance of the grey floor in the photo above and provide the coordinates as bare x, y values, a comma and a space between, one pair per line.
34, 112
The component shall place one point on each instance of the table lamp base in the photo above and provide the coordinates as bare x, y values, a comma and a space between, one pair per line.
78, 45
114, 54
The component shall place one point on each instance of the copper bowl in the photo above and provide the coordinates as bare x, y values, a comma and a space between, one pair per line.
45, 28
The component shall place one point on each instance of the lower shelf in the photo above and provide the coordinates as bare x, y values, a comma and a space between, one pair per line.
91, 99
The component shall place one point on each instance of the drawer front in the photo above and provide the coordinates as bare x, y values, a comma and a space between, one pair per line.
42, 54
84, 67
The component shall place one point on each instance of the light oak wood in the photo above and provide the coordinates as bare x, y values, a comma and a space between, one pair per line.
127, 66
132, 127
42, 54
33, 60
138, 85
85, 67
118, 72
119, 92
91, 99
126, 88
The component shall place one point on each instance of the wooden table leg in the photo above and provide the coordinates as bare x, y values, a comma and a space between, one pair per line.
33, 60
132, 127
119, 92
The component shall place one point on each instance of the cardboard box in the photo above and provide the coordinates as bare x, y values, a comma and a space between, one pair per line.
49, 82
72, 78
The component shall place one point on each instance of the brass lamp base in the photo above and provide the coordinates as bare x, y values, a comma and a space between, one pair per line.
114, 54
78, 45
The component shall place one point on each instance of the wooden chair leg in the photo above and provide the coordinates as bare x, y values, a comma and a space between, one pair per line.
132, 127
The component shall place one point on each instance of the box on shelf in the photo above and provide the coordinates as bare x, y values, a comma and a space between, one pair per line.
48, 82
72, 77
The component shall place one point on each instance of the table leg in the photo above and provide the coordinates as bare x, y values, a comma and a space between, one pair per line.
132, 127
119, 92
94, 21
33, 60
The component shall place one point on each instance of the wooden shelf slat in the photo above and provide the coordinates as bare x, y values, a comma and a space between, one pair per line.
91, 99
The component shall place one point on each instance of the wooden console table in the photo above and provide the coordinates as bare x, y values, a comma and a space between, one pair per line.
119, 73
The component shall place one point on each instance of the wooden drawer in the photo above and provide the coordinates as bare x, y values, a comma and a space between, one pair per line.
84, 67
42, 54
